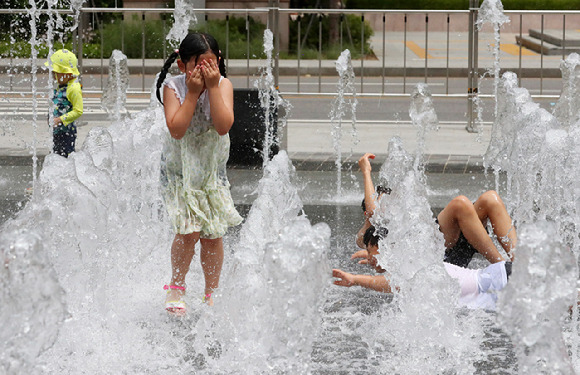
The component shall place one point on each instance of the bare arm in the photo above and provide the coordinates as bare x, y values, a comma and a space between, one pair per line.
378, 283
178, 115
365, 168
221, 97
361, 232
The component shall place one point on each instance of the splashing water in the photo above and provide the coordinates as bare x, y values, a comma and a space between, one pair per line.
340, 105
183, 17
534, 305
423, 330
423, 116
98, 216
115, 94
491, 11
567, 109
541, 158
280, 261
32, 308
33, 13
98, 219
275, 108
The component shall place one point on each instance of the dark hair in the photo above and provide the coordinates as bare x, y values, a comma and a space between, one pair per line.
380, 189
372, 236
194, 45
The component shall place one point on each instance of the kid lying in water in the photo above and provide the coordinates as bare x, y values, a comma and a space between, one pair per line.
463, 225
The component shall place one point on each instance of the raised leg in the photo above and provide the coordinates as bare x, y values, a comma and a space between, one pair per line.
489, 205
460, 216
212, 257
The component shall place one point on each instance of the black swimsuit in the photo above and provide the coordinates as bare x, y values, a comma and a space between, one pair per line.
461, 253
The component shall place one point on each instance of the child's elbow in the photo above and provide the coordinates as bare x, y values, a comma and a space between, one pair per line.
176, 135
223, 131
227, 125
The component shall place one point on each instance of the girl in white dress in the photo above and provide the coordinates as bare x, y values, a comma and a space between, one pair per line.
199, 114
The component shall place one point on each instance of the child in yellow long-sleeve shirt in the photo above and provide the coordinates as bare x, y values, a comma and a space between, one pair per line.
67, 99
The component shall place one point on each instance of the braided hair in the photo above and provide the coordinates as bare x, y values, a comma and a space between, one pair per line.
194, 45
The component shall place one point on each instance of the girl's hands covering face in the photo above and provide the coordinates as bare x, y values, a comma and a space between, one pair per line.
211, 72
194, 80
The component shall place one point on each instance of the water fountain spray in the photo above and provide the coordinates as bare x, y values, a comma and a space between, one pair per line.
567, 109
534, 305
183, 17
426, 295
424, 117
280, 260
34, 14
491, 11
115, 93
540, 157
274, 106
340, 107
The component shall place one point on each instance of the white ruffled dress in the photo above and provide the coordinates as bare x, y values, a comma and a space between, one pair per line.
193, 172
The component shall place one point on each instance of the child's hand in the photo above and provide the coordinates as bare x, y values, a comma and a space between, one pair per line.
56, 121
364, 163
211, 73
361, 254
194, 81
346, 279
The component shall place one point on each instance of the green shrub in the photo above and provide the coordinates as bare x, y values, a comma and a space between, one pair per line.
238, 48
461, 4
351, 37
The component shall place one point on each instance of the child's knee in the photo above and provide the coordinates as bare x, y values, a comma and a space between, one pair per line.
460, 205
490, 200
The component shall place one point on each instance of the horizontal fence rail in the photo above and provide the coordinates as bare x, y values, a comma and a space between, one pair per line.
406, 47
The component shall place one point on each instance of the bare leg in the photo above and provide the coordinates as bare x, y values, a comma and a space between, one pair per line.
182, 251
489, 205
212, 258
460, 216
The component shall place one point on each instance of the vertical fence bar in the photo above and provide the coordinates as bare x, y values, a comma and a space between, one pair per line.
80, 27
405, 57
10, 55
520, 55
102, 51
563, 37
247, 50
277, 46
227, 42
384, 37
542, 57
164, 22
340, 25
426, 45
362, 52
123, 32
471, 57
447, 59
298, 52
320, 53
143, 51
205, 23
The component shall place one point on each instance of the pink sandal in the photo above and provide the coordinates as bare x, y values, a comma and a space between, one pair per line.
175, 307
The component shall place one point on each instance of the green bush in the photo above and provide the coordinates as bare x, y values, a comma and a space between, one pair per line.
238, 37
461, 4
351, 37
119, 33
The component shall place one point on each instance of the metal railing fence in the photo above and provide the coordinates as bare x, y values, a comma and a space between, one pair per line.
393, 60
